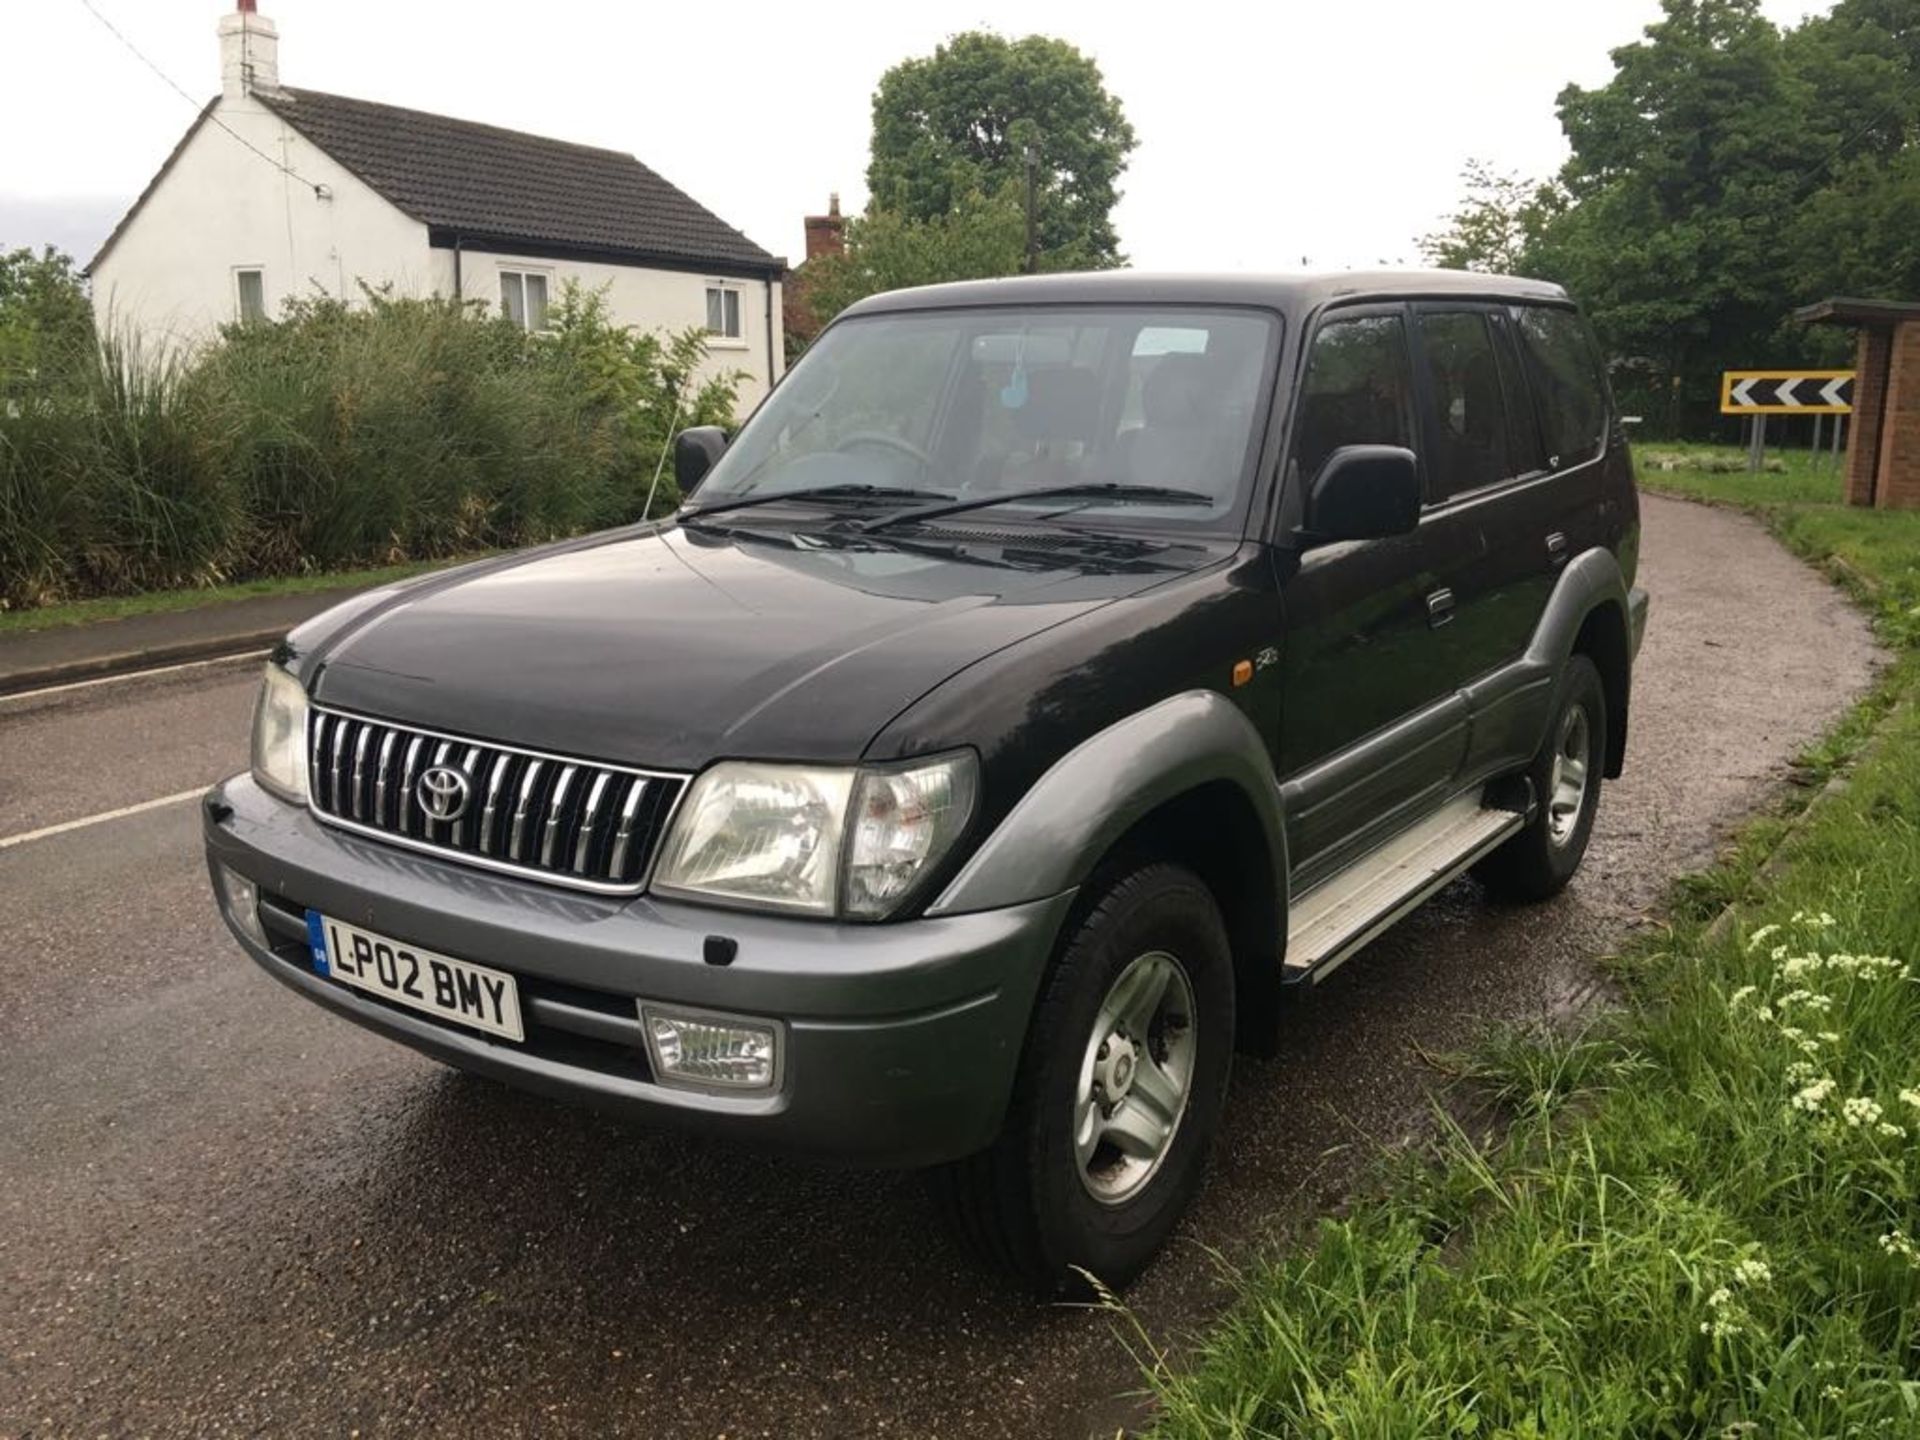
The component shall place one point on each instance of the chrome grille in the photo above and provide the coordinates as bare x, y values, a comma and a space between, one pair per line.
572, 822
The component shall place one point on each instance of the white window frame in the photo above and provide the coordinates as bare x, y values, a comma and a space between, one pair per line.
520, 273
735, 339
239, 300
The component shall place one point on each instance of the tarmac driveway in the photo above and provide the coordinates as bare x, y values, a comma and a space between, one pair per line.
225, 1212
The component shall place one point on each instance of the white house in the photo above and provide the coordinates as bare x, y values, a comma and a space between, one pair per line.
275, 192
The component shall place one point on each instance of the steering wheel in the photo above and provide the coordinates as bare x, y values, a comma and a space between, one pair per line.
885, 441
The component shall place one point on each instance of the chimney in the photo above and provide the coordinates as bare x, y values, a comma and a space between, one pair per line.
827, 234
249, 52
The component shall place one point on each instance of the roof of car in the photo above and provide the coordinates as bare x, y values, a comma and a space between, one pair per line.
1299, 291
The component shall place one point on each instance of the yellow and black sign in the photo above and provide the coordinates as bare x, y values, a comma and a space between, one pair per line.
1786, 392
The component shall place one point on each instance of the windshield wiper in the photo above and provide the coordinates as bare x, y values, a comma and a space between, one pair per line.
826, 492
1143, 494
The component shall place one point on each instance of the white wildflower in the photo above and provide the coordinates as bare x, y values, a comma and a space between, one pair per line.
1859, 1110
1898, 1244
1765, 1012
1826, 921
1812, 1097
1832, 1037
1793, 1032
1833, 1392
1891, 1130
1793, 967
1743, 993
1910, 1097
1753, 1271
1721, 1297
1800, 1072
1761, 936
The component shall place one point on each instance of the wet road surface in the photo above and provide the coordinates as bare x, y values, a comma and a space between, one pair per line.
225, 1212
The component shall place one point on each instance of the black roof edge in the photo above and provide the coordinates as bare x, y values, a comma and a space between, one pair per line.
444, 237
1841, 310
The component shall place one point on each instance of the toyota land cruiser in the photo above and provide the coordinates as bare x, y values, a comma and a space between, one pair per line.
1050, 674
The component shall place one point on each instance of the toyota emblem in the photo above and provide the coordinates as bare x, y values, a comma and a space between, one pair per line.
444, 792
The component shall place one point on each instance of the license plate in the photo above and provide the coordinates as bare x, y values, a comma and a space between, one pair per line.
456, 990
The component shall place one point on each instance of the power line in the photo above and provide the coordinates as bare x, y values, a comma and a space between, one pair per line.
280, 165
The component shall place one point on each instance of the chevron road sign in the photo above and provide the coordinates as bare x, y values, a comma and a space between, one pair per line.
1786, 392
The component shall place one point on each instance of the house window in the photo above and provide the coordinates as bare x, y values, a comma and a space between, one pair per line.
523, 298
250, 288
723, 311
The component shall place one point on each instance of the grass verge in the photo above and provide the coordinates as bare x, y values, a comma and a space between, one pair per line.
1705, 1216
162, 602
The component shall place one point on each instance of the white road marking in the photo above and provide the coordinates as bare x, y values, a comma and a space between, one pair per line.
233, 660
105, 815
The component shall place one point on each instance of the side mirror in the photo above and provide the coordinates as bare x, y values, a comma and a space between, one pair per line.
1363, 492
695, 452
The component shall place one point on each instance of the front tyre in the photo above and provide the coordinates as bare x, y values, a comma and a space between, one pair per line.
1120, 1089
1540, 860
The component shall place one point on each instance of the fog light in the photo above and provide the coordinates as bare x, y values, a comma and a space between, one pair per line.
712, 1050
241, 898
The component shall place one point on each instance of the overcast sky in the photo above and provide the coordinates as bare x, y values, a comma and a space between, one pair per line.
1269, 133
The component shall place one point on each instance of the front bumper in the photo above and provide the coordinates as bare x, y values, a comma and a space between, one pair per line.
901, 1040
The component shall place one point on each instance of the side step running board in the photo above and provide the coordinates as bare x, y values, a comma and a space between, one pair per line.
1337, 917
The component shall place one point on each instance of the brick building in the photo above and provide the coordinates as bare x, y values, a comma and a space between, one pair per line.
1883, 450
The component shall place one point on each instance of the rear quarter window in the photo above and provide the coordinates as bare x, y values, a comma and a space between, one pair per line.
1563, 372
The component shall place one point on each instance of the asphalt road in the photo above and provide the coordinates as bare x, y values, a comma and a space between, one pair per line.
224, 1212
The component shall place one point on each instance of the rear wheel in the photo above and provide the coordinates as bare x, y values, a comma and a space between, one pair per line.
1120, 1089
1540, 860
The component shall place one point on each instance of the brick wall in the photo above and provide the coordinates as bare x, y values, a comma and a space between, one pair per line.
1863, 426
1898, 484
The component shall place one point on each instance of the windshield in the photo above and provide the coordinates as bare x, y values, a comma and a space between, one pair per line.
990, 404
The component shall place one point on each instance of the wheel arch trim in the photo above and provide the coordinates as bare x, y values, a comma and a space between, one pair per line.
1099, 790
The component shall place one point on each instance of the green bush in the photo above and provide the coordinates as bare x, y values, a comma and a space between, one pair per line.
338, 436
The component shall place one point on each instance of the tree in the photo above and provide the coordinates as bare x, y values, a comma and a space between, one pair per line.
886, 250
956, 124
46, 322
1497, 224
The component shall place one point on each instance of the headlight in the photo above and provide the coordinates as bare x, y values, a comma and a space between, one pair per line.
813, 840
765, 835
280, 736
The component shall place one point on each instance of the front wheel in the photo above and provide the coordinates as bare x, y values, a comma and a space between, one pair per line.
1120, 1089
1540, 860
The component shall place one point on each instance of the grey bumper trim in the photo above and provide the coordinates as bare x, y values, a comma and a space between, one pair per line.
902, 1039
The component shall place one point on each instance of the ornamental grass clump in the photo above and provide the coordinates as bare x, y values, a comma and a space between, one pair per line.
341, 435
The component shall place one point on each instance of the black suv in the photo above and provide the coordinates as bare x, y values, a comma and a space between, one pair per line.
1050, 674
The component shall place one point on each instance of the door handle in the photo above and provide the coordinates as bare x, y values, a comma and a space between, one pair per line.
1557, 548
1439, 608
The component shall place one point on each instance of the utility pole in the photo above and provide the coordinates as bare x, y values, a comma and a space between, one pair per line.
1033, 234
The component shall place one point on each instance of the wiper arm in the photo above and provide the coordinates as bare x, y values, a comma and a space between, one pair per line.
1143, 494
827, 492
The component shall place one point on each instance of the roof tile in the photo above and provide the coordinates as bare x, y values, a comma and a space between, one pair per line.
509, 188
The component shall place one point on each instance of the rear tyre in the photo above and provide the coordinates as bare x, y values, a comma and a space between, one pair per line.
1119, 1092
1540, 860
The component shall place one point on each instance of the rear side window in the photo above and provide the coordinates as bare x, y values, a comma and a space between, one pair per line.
1565, 375
1357, 390
1470, 418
